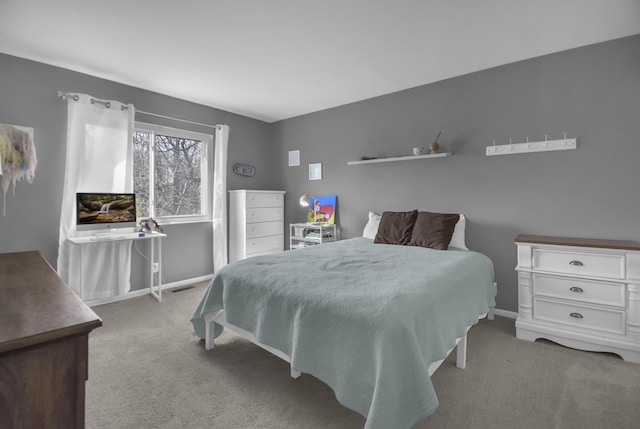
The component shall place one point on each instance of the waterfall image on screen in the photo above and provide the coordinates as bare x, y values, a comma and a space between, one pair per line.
103, 211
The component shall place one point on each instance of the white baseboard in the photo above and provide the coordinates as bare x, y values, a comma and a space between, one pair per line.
506, 313
186, 282
145, 291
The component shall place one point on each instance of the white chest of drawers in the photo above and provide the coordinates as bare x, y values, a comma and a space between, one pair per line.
581, 293
256, 223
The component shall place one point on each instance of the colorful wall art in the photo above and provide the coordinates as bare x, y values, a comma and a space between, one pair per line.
17, 155
322, 209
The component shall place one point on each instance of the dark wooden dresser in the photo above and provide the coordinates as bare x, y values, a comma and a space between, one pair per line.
44, 332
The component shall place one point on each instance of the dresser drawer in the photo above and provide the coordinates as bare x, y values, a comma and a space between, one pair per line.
263, 229
265, 214
583, 316
266, 252
588, 291
263, 244
578, 263
265, 199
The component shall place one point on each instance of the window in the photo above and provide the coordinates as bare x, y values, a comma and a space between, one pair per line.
170, 173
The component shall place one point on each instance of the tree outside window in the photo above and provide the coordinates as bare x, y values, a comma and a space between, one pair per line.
170, 173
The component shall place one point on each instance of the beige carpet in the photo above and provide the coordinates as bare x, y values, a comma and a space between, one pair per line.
147, 370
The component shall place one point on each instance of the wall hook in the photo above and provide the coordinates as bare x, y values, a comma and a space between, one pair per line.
529, 146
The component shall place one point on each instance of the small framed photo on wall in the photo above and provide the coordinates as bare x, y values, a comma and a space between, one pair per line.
315, 171
294, 158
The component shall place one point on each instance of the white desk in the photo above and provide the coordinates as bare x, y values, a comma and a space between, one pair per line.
155, 277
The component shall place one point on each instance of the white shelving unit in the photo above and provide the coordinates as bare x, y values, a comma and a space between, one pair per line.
309, 234
400, 158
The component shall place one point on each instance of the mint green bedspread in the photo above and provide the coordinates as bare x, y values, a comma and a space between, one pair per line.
367, 319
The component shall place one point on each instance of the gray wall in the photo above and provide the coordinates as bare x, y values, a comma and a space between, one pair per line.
590, 93
28, 94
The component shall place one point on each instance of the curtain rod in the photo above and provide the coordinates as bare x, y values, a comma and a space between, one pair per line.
75, 97
142, 112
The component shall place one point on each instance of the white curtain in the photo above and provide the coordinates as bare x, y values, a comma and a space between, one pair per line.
99, 159
220, 198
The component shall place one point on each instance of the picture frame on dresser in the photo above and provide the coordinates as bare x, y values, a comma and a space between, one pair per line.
581, 293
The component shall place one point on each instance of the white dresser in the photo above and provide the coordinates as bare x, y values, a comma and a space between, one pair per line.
582, 293
256, 223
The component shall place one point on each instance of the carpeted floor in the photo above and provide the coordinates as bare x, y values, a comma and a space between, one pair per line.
147, 370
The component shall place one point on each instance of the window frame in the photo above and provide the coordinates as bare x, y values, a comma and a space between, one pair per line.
205, 166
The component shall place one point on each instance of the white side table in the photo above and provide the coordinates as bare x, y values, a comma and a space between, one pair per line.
309, 234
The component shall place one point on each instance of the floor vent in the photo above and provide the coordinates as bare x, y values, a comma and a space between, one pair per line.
180, 289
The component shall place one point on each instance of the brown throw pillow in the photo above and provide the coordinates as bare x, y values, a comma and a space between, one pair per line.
396, 227
433, 230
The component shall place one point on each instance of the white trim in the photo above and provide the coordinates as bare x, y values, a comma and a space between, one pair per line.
166, 222
187, 282
207, 141
506, 313
179, 132
145, 291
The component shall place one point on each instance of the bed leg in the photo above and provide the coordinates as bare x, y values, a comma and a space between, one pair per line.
492, 311
294, 373
461, 353
208, 335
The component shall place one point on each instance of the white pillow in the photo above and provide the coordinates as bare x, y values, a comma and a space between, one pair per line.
371, 228
457, 239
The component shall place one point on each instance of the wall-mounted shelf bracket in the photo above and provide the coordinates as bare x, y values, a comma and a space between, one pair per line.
541, 146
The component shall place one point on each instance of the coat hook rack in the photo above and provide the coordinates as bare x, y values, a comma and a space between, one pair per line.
527, 147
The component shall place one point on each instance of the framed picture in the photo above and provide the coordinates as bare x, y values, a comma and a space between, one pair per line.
17, 152
294, 158
322, 209
315, 171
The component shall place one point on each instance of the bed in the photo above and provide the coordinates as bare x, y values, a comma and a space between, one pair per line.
372, 321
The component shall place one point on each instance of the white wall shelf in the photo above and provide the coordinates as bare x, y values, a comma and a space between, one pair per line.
400, 158
541, 146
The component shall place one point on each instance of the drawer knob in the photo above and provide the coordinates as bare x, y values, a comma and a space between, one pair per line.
576, 263
576, 315
576, 289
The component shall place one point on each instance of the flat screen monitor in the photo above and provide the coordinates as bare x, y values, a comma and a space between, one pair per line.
105, 211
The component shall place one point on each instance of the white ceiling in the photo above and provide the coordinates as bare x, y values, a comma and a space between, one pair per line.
277, 59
